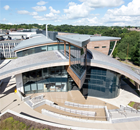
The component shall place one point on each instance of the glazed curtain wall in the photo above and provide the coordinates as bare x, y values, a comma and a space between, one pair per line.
59, 47
53, 79
78, 59
101, 83
37, 50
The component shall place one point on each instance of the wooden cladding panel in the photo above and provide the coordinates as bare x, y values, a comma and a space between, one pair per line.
100, 44
76, 78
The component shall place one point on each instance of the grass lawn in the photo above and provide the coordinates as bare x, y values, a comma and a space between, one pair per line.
131, 104
12, 124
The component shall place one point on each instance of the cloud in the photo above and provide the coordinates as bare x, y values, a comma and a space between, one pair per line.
33, 13
76, 11
4, 20
23, 12
26, 12
41, 3
6, 7
88, 21
37, 17
125, 15
119, 24
40, 24
83, 9
47, 17
39, 8
42, 18
132, 9
102, 3
52, 16
10, 23
58, 21
54, 11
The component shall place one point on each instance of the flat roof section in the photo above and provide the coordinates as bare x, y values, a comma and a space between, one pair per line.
77, 40
103, 38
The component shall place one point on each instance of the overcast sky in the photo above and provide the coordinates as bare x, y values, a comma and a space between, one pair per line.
74, 12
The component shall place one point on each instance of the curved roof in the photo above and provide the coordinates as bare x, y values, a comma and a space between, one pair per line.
105, 58
78, 40
54, 58
40, 39
36, 35
33, 62
104, 61
11, 41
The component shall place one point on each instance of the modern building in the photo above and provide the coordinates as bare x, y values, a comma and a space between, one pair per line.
7, 43
12, 39
3, 31
62, 63
0, 53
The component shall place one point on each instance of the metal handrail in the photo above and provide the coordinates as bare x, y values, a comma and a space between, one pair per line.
80, 117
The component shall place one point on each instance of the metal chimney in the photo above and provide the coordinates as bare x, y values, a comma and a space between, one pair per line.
46, 30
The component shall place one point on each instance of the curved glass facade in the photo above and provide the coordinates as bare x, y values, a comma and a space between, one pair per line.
53, 79
101, 83
98, 83
37, 50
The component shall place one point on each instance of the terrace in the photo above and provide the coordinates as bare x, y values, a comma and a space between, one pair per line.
14, 103
71, 104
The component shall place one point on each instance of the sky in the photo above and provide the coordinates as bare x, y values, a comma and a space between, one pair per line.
72, 12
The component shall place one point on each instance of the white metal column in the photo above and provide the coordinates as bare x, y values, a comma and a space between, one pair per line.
9, 50
3, 50
15, 52
113, 48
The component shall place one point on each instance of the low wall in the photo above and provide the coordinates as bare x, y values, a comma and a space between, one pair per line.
64, 117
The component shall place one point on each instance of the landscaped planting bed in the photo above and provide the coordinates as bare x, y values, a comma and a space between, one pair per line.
11, 122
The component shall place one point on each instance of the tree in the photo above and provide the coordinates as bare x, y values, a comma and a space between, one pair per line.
122, 55
135, 56
115, 53
125, 30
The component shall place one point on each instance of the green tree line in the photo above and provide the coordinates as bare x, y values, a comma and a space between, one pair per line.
127, 48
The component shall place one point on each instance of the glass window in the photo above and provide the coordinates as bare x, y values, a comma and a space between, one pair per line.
27, 88
45, 80
19, 54
58, 86
43, 48
52, 47
33, 86
40, 86
55, 47
52, 87
96, 47
102, 83
63, 87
